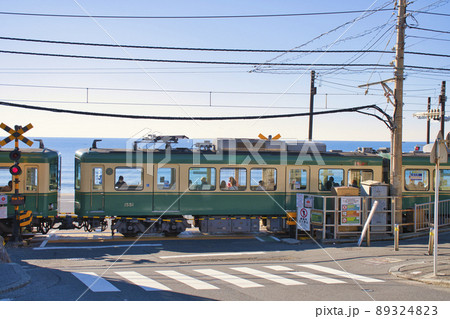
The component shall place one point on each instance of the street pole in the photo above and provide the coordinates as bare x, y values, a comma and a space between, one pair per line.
16, 227
442, 99
436, 213
396, 153
313, 92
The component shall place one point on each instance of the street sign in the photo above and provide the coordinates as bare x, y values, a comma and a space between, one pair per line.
17, 200
439, 152
304, 219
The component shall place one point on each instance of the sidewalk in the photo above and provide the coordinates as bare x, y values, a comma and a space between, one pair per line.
12, 277
423, 271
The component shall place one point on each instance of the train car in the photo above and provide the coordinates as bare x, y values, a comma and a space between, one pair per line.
419, 179
39, 183
225, 189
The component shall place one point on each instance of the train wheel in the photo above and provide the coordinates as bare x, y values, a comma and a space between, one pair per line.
45, 226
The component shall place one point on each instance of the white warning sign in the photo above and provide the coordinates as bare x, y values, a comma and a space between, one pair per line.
304, 219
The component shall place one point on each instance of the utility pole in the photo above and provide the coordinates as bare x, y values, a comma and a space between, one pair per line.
396, 152
428, 120
442, 99
312, 92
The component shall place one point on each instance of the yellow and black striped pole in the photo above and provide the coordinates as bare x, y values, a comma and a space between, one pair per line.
16, 228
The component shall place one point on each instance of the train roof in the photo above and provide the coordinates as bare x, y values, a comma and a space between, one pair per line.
30, 155
105, 155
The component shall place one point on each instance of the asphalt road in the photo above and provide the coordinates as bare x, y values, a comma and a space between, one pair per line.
226, 268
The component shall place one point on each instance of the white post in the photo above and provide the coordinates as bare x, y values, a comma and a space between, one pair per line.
369, 218
436, 215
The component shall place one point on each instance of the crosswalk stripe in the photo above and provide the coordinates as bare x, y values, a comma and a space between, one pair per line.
142, 281
279, 268
340, 273
237, 281
316, 277
267, 276
94, 282
187, 280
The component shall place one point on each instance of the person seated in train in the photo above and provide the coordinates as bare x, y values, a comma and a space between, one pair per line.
233, 186
232, 183
329, 184
6, 188
204, 184
121, 184
260, 186
355, 183
223, 185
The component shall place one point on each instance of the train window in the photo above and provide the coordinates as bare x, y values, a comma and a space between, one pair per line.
444, 179
53, 182
31, 179
356, 176
416, 179
166, 178
5, 180
202, 179
128, 179
330, 177
97, 178
263, 179
297, 179
77, 174
233, 179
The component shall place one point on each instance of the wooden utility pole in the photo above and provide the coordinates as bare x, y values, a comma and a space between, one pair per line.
396, 152
428, 120
313, 92
442, 99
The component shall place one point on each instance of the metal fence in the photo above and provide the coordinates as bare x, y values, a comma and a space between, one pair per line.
331, 215
424, 215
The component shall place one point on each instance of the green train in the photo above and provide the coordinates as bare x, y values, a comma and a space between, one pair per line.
163, 189
39, 183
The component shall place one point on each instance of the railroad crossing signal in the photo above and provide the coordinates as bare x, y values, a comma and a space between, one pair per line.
276, 137
20, 220
16, 134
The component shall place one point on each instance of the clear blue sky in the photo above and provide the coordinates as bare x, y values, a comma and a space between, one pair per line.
69, 83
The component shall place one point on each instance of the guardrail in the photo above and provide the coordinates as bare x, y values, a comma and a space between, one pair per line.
424, 215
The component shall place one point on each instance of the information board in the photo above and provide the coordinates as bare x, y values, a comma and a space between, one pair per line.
350, 211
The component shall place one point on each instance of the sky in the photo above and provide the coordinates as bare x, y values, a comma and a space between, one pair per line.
188, 90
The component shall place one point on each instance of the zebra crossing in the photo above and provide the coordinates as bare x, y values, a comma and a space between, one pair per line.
232, 276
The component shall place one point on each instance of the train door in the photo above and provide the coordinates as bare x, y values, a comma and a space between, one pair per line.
297, 181
97, 189
31, 188
166, 189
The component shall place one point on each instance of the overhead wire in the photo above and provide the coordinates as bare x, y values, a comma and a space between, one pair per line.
388, 121
54, 15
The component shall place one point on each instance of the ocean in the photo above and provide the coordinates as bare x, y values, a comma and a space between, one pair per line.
68, 146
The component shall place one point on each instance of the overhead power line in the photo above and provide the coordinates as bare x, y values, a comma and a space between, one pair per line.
357, 109
128, 46
218, 62
176, 61
430, 30
190, 17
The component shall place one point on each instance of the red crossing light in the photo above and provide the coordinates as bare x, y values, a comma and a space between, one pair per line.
15, 170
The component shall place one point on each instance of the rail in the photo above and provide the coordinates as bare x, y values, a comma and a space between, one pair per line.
424, 215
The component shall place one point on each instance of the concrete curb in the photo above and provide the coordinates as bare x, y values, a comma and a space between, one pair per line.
427, 279
23, 278
4, 258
